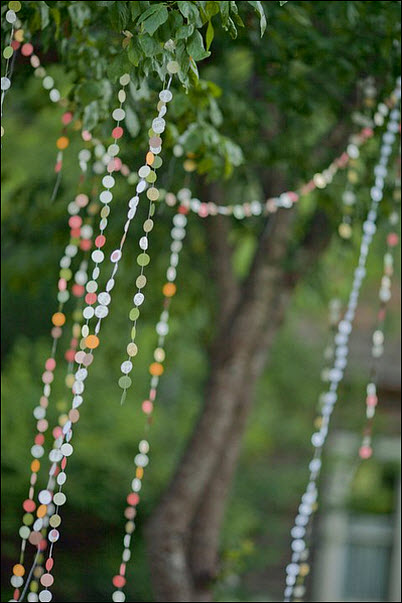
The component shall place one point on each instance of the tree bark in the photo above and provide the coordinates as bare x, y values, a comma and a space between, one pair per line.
183, 534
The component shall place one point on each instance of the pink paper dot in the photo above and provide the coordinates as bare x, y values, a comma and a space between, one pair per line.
78, 290
62, 284
57, 432
50, 364
91, 298
27, 49
29, 505
67, 118
365, 452
147, 407
393, 239
86, 135
75, 222
43, 545
86, 244
203, 210
133, 499
49, 564
69, 355
117, 132
100, 241
119, 581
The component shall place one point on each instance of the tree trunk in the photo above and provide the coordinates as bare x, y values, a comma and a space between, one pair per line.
183, 534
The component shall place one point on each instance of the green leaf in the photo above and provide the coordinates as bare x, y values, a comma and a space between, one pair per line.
44, 14
154, 17
184, 32
57, 20
215, 113
195, 47
137, 8
282, 2
134, 54
210, 34
235, 12
224, 6
79, 13
107, 4
260, 11
132, 122
119, 15
149, 45
190, 12
91, 116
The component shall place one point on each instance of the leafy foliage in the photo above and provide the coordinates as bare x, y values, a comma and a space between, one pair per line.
255, 111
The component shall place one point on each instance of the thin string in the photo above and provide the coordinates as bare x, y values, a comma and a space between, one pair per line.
309, 498
156, 370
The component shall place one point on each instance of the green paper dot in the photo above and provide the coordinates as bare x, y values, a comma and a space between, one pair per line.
143, 259
134, 314
133, 333
151, 177
157, 162
148, 225
8, 52
28, 519
125, 382
66, 273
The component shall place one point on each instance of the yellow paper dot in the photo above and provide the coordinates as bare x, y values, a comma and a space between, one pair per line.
189, 165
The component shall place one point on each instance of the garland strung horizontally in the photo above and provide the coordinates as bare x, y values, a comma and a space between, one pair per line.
309, 498
365, 450
97, 305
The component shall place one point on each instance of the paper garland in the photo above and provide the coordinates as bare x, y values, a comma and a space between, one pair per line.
63, 448
8, 53
309, 498
378, 336
156, 369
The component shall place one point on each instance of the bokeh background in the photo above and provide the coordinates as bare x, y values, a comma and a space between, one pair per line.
356, 537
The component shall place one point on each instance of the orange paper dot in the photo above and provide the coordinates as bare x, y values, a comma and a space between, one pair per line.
92, 342
62, 143
35, 466
58, 319
169, 290
156, 369
41, 511
139, 473
18, 570
150, 158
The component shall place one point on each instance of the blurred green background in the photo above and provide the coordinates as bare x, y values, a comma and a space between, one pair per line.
273, 466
